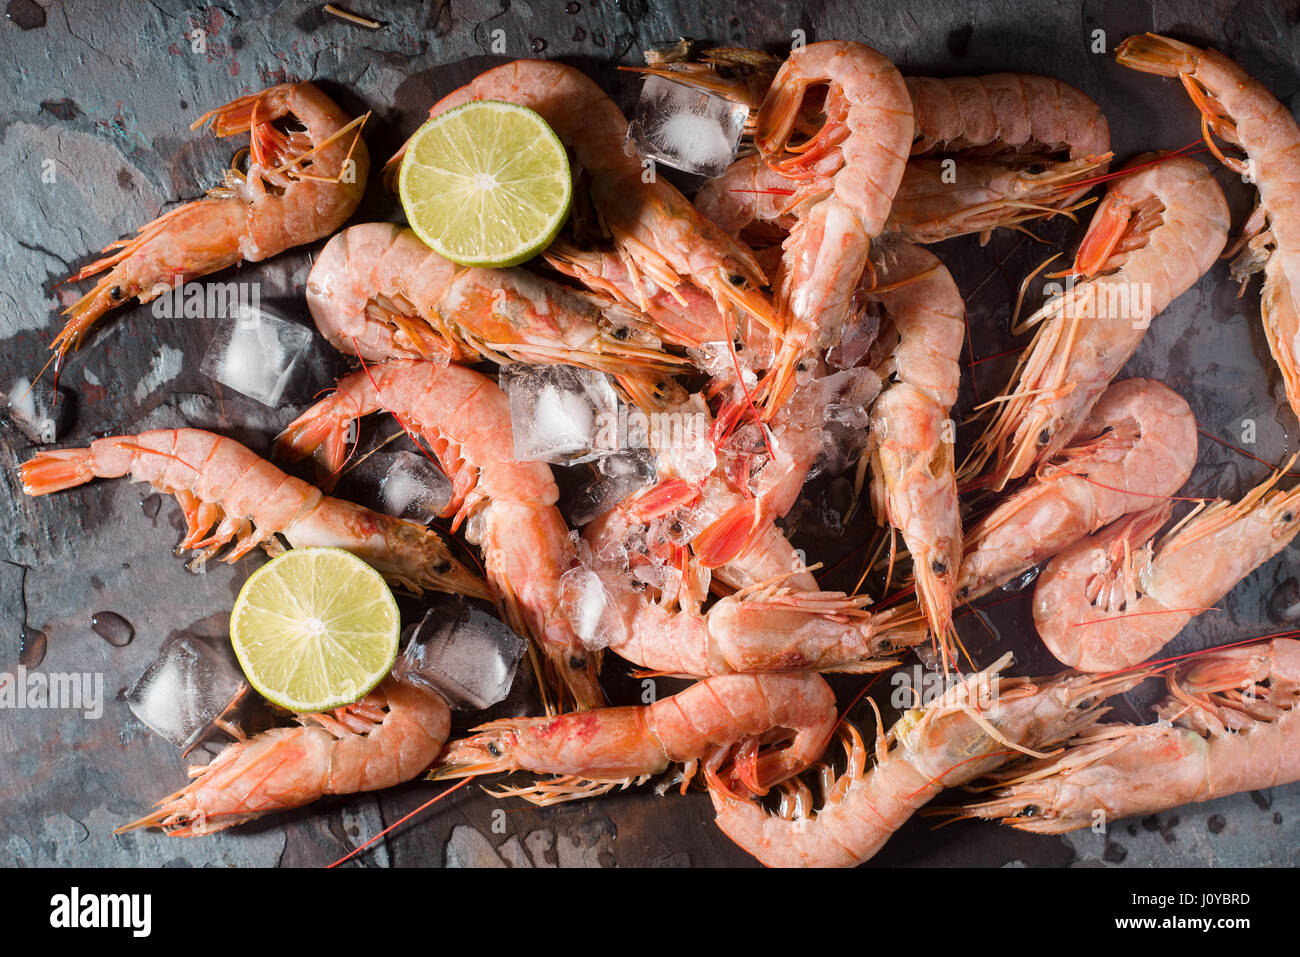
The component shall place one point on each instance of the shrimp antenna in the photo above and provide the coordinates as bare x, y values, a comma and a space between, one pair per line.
402, 820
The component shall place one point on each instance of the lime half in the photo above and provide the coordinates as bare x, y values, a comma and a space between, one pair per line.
486, 184
317, 628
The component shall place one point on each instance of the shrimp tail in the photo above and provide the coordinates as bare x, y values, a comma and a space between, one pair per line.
318, 430
48, 472
1156, 54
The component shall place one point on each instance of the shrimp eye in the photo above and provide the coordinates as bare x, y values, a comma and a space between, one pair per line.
737, 280
738, 345
1084, 704
493, 749
1036, 168
963, 591
1044, 437
442, 568
621, 333
1029, 810
575, 662
938, 567
115, 292
1288, 517
886, 645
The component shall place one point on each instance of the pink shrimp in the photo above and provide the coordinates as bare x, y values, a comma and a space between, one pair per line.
847, 174
1238, 729
914, 485
594, 752
651, 595
387, 737
975, 727
220, 483
658, 234
1114, 599
376, 290
507, 507
1137, 447
1241, 110
1159, 229
299, 187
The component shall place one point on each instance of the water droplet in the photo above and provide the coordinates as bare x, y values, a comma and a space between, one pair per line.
150, 504
28, 14
32, 652
572, 7
538, 44
113, 628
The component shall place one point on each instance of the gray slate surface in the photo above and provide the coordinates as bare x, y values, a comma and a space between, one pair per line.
106, 92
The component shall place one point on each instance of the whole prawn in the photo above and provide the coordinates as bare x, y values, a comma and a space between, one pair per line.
594, 752
387, 737
377, 291
847, 173
1114, 599
973, 728
658, 234
652, 595
1158, 230
1239, 109
914, 485
1237, 728
220, 483
507, 507
299, 186
1136, 447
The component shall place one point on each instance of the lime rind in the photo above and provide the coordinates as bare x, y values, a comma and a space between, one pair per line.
296, 665
486, 184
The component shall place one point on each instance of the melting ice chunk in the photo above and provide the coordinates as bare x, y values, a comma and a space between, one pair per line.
587, 604
560, 414
258, 354
845, 398
621, 475
401, 484
464, 654
36, 409
687, 128
191, 682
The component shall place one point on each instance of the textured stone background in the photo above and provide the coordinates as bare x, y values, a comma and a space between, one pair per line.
105, 92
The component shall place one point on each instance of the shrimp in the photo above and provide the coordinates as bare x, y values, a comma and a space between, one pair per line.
1115, 599
220, 483
658, 234
651, 613
974, 727
1238, 729
1006, 128
1159, 229
847, 173
507, 507
594, 752
300, 186
386, 738
1239, 109
376, 290
914, 486
1137, 445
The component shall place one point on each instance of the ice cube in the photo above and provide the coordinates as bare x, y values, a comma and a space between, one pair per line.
560, 414
401, 484
845, 398
687, 128
589, 607
621, 475
258, 354
464, 654
36, 409
192, 681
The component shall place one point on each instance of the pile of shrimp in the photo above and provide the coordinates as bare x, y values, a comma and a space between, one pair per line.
793, 303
